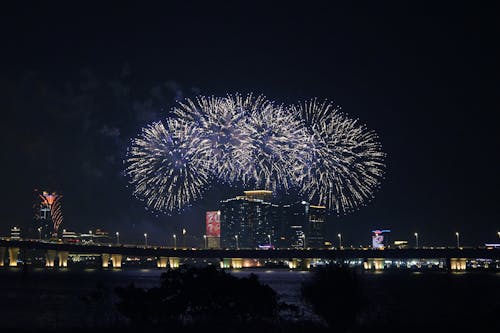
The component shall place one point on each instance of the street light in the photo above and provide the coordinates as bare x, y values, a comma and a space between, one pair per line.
184, 231
205, 239
458, 239
40, 233
303, 241
269, 236
145, 239
340, 241
416, 239
117, 237
175, 241
237, 246
498, 233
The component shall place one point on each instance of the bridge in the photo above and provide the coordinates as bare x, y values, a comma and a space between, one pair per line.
453, 258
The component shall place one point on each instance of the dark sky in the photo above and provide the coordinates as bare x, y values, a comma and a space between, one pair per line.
77, 82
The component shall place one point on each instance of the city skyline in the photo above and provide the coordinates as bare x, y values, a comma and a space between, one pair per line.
67, 123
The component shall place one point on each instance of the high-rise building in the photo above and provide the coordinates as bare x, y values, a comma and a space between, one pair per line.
305, 224
316, 227
48, 214
15, 233
296, 216
249, 221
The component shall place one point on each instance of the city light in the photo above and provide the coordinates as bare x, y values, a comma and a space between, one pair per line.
205, 241
117, 237
145, 239
175, 241
236, 237
340, 240
458, 239
416, 240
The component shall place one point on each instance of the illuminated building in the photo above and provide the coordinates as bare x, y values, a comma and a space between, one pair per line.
296, 223
70, 236
315, 236
249, 221
380, 238
15, 233
305, 225
97, 236
263, 195
48, 214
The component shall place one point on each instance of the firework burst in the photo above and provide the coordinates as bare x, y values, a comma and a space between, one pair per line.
312, 146
166, 165
278, 145
347, 159
222, 125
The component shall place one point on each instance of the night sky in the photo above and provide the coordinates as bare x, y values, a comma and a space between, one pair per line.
77, 82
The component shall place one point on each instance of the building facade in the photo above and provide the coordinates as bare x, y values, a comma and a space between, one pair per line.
249, 221
252, 221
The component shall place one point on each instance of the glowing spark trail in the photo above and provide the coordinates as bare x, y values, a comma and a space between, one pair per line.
311, 146
165, 165
347, 159
53, 203
278, 143
222, 125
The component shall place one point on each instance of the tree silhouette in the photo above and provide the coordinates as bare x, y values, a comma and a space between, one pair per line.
189, 295
335, 294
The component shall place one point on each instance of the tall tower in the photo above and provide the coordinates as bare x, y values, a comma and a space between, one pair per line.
48, 214
249, 221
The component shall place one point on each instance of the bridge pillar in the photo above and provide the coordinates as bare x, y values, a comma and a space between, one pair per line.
293, 263
226, 263
161, 262
374, 263
116, 260
13, 256
457, 264
63, 258
378, 263
173, 262
105, 260
50, 258
237, 263
306, 263
2, 256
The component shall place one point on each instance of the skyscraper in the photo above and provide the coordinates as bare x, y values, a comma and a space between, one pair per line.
249, 221
316, 227
305, 225
48, 214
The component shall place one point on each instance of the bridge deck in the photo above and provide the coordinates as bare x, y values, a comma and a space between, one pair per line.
152, 251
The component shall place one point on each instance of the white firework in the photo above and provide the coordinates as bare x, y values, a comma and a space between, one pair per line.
278, 144
222, 126
347, 159
166, 165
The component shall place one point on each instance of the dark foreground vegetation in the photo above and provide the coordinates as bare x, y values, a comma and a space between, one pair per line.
337, 299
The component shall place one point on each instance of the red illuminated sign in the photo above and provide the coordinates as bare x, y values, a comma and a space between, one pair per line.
213, 224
